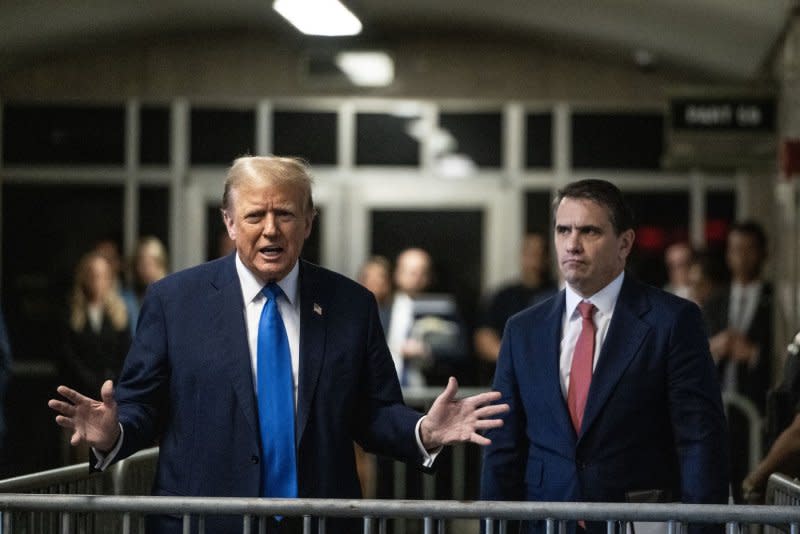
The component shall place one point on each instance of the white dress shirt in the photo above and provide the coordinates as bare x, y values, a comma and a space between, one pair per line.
742, 305
605, 301
288, 306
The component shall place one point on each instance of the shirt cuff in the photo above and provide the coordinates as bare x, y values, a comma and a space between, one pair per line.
428, 457
105, 459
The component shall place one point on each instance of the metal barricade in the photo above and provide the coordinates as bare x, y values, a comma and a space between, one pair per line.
376, 516
781, 491
131, 476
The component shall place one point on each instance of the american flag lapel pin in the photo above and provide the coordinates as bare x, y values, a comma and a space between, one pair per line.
317, 309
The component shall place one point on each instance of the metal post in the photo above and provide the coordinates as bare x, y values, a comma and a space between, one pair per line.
550, 527
306, 524
247, 524
428, 525
187, 524
489, 526
66, 523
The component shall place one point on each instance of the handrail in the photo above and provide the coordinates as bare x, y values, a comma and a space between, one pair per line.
559, 511
782, 489
119, 479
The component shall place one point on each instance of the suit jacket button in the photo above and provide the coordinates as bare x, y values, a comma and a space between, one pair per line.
254, 459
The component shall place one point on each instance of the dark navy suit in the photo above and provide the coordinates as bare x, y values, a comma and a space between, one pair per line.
653, 419
187, 382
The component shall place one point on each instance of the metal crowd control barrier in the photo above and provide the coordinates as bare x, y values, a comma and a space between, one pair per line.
755, 424
375, 515
133, 476
783, 490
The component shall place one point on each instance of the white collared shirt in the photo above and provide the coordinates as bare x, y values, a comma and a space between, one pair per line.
742, 305
605, 301
288, 306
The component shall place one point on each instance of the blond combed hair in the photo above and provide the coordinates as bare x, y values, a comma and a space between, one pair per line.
113, 305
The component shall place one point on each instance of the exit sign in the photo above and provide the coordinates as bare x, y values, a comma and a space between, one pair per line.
739, 114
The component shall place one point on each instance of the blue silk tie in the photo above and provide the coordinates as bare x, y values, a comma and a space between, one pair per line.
275, 401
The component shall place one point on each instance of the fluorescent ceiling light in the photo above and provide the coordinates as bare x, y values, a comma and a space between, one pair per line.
371, 69
319, 17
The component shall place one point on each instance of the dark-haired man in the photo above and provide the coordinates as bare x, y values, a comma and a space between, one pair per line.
740, 325
612, 391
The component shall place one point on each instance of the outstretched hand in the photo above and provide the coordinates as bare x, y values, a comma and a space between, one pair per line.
452, 420
91, 421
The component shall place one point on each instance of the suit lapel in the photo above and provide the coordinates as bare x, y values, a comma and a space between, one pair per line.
312, 342
625, 335
227, 305
546, 340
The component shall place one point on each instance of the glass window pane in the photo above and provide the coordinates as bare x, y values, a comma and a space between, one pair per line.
539, 140
221, 135
154, 212
617, 140
154, 141
477, 135
538, 212
720, 215
63, 135
384, 139
661, 218
312, 136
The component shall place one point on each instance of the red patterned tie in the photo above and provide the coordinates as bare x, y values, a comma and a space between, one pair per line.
580, 375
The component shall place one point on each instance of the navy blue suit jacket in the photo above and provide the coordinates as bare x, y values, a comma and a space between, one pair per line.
187, 384
653, 419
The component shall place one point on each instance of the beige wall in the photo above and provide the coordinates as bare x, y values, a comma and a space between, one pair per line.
231, 66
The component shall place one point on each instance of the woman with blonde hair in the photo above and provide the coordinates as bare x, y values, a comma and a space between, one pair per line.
97, 334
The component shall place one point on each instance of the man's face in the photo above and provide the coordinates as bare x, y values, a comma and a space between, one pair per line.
678, 259
744, 256
269, 225
99, 279
375, 277
590, 254
412, 274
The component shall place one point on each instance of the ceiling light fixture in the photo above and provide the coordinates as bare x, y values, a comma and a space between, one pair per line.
367, 69
319, 17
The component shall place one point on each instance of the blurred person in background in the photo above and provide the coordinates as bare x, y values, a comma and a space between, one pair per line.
706, 278
782, 429
96, 334
534, 285
426, 336
150, 263
678, 259
109, 249
740, 329
376, 275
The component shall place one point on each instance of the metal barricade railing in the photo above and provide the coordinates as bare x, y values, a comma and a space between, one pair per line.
375, 515
131, 476
755, 424
783, 490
